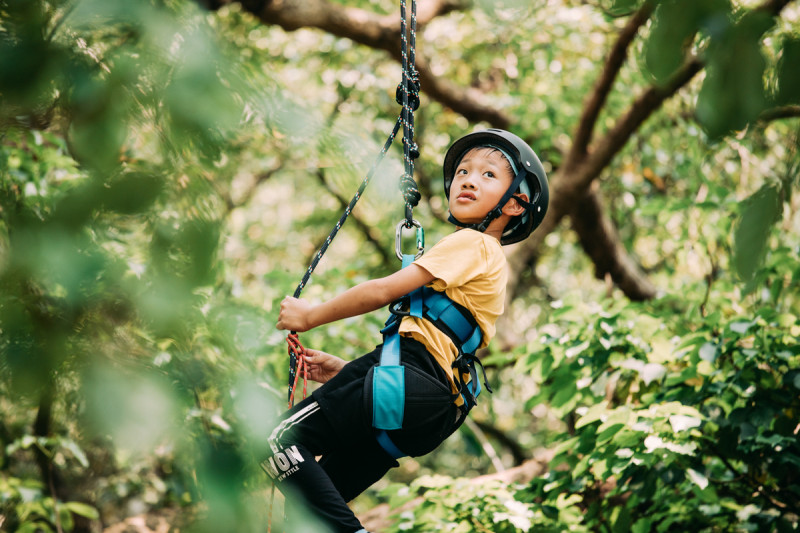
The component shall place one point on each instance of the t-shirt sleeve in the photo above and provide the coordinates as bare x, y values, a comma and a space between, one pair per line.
455, 260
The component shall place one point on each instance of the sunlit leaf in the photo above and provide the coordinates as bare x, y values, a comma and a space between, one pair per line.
82, 509
621, 8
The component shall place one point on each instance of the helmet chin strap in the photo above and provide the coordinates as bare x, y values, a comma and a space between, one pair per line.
497, 210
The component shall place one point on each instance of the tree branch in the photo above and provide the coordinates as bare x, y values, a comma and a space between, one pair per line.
381, 32
244, 199
467, 102
517, 452
572, 188
614, 61
606, 148
600, 240
779, 113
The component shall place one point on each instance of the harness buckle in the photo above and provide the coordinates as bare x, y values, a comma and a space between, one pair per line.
398, 239
400, 307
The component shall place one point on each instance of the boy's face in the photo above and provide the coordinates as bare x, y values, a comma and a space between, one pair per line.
482, 177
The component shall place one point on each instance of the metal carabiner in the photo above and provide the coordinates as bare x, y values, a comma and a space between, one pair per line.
398, 239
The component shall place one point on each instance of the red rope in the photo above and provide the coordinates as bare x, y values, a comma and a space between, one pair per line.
297, 350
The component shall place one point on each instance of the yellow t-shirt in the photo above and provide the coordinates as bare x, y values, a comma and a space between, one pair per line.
471, 269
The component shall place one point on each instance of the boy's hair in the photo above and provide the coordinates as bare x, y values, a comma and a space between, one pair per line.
529, 178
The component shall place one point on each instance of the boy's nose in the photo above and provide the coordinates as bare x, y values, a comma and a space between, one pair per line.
469, 181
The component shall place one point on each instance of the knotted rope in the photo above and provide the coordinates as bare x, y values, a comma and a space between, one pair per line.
407, 95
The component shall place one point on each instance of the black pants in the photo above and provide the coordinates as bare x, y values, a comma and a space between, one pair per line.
334, 424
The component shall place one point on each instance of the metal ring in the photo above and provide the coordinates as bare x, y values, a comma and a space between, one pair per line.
398, 239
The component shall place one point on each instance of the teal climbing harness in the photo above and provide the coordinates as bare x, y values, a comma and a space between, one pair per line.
388, 378
388, 381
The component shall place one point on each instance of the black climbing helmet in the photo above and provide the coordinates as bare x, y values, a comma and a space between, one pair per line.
529, 179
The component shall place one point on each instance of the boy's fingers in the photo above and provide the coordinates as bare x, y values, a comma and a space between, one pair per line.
314, 360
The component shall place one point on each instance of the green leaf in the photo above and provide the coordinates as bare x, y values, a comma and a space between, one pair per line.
67, 522
709, 352
608, 433
568, 444
70, 445
132, 192
34, 527
759, 213
733, 93
622, 524
741, 326
82, 509
596, 412
566, 392
642, 525
622, 8
788, 73
675, 24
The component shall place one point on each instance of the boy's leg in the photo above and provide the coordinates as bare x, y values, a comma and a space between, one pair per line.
354, 470
302, 435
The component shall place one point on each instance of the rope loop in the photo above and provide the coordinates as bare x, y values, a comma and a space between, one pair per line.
411, 88
413, 150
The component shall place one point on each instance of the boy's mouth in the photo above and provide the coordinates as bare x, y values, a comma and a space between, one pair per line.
467, 196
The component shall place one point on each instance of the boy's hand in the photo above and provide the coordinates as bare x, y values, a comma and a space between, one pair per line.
322, 366
294, 314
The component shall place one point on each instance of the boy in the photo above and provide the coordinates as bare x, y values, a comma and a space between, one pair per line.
497, 194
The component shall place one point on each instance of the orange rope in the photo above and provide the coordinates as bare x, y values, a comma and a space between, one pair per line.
299, 352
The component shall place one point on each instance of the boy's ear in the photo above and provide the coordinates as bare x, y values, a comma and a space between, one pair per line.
513, 207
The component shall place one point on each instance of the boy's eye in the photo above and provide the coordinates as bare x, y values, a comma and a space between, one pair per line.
489, 174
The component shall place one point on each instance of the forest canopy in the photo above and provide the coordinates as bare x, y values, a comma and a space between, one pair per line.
170, 168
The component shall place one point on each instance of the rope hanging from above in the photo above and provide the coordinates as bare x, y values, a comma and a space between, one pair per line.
407, 95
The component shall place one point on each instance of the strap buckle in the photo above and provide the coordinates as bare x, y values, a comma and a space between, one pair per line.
398, 240
400, 307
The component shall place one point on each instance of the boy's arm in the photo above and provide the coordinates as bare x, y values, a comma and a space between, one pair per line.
300, 315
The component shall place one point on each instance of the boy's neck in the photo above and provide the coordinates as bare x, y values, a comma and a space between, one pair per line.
491, 232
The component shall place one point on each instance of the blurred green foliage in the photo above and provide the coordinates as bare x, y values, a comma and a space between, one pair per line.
166, 174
